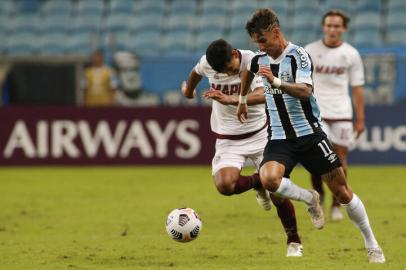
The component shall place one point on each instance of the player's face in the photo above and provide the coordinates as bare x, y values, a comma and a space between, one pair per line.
233, 67
267, 41
333, 29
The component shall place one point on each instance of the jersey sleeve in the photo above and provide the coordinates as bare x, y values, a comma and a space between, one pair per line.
201, 66
252, 65
256, 83
304, 66
356, 71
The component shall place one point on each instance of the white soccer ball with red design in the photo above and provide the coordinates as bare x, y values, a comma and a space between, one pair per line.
183, 225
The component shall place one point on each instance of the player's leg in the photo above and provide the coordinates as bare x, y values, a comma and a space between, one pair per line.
229, 181
286, 213
226, 169
321, 159
316, 180
336, 181
341, 137
317, 185
279, 160
342, 153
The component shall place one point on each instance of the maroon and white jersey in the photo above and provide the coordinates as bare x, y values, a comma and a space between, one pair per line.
334, 70
224, 120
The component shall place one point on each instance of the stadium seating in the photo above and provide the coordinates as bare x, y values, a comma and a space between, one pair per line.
177, 42
121, 7
197, 21
205, 36
396, 36
55, 23
57, 7
345, 5
53, 43
366, 20
367, 38
90, 7
117, 22
149, 7
215, 7
7, 7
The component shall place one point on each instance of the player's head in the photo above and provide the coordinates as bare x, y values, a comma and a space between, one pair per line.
334, 23
223, 58
264, 29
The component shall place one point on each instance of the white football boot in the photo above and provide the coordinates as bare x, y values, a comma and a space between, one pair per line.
375, 255
264, 199
316, 211
294, 250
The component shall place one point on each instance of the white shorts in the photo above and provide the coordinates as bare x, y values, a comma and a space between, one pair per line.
234, 153
339, 132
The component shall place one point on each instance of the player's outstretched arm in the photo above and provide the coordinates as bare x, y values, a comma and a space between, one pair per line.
253, 98
359, 109
242, 109
189, 88
297, 90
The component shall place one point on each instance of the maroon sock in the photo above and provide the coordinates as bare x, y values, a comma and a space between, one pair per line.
317, 184
245, 183
286, 213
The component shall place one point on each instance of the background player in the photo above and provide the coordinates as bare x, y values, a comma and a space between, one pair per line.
237, 142
336, 65
294, 130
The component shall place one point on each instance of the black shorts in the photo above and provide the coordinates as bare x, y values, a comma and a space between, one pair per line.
313, 151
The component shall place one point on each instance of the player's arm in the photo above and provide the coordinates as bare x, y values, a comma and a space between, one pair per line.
188, 89
255, 97
242, 109
359, 109
297, 90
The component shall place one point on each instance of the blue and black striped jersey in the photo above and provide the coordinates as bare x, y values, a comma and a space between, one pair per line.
289, 116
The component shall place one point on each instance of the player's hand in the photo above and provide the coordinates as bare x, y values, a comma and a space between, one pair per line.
242, 112
219, 97
359, 128
184, 91
265, 71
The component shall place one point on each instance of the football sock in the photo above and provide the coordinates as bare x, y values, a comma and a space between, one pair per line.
289, 190
286, 213
357, 213
245, 183
317, 184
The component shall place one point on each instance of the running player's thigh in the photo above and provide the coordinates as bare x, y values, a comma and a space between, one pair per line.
318, 157
342, 153
228, 154
279, 158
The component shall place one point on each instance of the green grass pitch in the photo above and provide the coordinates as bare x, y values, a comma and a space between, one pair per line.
113, 218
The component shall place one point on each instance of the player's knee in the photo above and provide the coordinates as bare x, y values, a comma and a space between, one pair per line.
270, 180
225, 185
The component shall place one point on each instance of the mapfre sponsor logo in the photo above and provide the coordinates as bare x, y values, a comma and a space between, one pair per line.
382, 139
74, 139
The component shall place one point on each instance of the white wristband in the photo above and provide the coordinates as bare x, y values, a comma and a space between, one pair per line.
276, 82
242, 99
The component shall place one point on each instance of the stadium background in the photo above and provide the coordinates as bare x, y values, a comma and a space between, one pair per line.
44, 44
112, 217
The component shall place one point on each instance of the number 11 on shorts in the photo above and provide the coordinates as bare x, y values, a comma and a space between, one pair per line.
325, 148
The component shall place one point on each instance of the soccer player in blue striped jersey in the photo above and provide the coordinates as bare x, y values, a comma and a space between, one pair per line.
294, 132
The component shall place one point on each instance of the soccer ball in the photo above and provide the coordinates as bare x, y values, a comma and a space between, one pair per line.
183, 225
